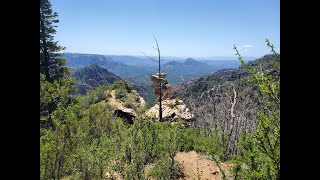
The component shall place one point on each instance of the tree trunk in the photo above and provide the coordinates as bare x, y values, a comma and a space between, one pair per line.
160, 85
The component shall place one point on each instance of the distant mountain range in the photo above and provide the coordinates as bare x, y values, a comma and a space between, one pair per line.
137, 70
76, 60
187, 62
225, 58
134, 60
207, 58
197, 86
184, 71
145, 61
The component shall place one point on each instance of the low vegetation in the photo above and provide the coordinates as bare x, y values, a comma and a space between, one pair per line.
87, 142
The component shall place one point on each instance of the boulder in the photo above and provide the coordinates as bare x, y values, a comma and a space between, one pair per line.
165, 87
172, 110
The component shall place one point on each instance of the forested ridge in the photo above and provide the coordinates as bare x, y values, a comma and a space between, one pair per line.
92, 76
84, 136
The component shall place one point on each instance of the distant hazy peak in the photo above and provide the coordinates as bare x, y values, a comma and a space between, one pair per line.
191, 61
173, 63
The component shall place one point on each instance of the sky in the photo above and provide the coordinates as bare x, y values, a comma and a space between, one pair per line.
183, 28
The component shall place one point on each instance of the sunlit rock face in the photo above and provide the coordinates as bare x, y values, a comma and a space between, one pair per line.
173, 110
165, 87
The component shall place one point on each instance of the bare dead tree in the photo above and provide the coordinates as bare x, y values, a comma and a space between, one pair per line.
225, 110
159, 73
232, 124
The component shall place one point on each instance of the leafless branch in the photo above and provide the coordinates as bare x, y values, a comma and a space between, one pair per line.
157, 44
149, 57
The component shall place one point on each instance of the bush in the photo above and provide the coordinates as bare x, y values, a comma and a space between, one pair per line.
164, 169
188, 139
260, 149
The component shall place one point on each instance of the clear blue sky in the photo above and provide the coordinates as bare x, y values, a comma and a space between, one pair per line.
185, 28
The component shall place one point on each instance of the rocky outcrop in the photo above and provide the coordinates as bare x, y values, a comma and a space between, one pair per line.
174, 110
127, 106
165, 87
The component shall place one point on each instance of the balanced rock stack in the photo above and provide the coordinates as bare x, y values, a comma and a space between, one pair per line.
173, 110
165, 87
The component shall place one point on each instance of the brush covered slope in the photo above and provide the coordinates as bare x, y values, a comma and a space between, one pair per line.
226, 100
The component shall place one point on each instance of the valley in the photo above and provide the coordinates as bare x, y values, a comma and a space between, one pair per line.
137, 70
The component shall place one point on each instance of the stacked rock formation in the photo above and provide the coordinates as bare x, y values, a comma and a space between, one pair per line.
165, 87
173, 110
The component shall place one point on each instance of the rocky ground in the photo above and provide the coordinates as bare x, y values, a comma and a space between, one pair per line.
194, 166
197, 166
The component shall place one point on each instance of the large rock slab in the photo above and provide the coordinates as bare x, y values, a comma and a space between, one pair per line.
173, 110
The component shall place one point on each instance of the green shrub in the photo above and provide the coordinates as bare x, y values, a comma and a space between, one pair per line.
166, 169
260, 149
188, 139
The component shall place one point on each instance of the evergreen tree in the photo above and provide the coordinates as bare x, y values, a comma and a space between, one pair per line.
55, 88
51, 63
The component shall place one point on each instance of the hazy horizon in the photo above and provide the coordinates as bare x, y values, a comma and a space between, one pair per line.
190, 29
179, 58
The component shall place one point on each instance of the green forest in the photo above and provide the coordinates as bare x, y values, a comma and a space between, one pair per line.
82, 138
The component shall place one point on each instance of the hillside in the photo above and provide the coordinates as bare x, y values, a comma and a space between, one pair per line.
92, 76
197, 86
209, 97
222, 64
214, 98
113, 137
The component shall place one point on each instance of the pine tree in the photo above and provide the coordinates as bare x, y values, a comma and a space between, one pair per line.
55, 87
51, 63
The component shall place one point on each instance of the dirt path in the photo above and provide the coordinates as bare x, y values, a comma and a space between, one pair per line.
194, 164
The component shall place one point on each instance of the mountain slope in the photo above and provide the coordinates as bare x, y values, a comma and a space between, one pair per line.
226, 100
196, 87
92, 76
